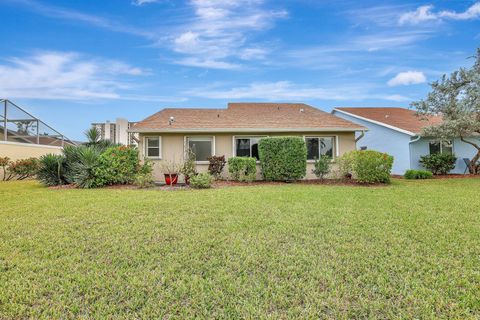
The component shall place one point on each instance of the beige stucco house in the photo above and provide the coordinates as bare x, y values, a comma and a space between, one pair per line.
236, 130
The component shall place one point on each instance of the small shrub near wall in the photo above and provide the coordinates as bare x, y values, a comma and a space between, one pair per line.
283, 158
201, 181
417, 174
242, 168
19, 169
322, 167
367, 166
439, 163
216, 165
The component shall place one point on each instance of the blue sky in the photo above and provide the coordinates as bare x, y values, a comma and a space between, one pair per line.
76, 62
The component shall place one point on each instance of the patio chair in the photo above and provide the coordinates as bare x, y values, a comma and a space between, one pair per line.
467, 162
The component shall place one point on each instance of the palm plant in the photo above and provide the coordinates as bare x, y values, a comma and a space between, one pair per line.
93, 136
52, 170
82, 166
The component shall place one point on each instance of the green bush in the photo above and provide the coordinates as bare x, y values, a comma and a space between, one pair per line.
20, 169
144, 176
201, 181
283, 158
322, 167
242, 168
52, 170
417, 174
216, 165
117, 165
82, 172
367, 166
439, 163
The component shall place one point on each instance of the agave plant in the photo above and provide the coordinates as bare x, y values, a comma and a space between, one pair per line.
81, 163
52, 170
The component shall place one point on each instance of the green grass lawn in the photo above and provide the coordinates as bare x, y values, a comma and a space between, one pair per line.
410, 250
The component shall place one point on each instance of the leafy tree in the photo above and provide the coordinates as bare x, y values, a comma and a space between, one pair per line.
457, 99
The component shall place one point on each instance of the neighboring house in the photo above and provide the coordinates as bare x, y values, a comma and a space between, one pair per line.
396, 131
117, 131
235, 131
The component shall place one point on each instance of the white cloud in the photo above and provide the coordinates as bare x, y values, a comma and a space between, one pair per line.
426, 14
288, 91
407, 78
142, 2
220, 31
68, 76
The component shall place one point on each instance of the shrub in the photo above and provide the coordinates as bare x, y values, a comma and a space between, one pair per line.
22, 169
189, 167
242, 168
4, 162
82, 172
417, 174
367, 166
439, 163
283, 158
216, 165
117, 165
144, 177
52, 170
322, 167
201, 181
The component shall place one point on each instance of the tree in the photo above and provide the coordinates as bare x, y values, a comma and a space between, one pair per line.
457, 99
93, 136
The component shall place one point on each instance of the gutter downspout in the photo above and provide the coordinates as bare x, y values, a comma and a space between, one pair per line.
410, 148
360, 136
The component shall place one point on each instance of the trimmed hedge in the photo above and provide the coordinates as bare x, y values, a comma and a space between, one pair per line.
283, 158
439, 163
418, 174
242, 168
367, 166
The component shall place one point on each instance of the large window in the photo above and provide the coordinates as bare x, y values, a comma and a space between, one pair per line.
319, 146
202, 147
247, 147
152, 147
437, 147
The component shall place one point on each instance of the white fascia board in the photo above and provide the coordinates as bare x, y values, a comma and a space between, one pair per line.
376, 122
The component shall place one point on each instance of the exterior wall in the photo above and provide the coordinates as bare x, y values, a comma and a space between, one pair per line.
460, 149
386, 140
16, 151
172, 148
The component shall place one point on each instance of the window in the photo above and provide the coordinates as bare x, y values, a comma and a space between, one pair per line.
202, 147
445, 147
152, 147
247, 147
319, 146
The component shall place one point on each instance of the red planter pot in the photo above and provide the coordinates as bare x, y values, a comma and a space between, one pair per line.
171, 179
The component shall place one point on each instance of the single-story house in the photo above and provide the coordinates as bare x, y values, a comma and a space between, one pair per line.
236, 130
396, 131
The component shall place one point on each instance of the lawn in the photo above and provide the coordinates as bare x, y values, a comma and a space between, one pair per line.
409, 250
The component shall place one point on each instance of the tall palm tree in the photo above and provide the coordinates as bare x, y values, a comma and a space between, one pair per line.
93, 136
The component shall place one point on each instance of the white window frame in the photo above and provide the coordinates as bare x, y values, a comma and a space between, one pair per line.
234, 145
186, 140
145, 147
334, 146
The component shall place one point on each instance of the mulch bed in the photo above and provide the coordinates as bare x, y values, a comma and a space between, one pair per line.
330, 182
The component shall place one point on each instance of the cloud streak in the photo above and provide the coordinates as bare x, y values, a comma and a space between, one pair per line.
288, 91
69, 76
425, 14
407, 78
220, 31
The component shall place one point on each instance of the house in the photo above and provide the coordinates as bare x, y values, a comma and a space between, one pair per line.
236, 130
396, 131
117, 131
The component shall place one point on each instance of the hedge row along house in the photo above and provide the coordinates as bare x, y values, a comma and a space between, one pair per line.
235, 131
